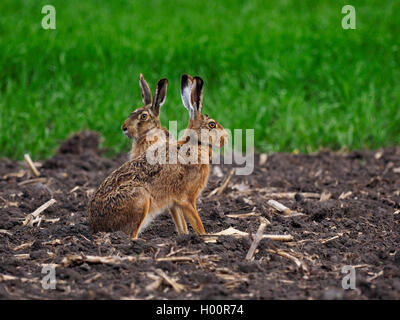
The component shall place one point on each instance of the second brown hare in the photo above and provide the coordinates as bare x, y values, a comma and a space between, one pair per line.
134, 194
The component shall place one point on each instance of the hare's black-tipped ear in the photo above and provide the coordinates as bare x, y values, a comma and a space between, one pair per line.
145, 90
186, 86
160, 95
196, 94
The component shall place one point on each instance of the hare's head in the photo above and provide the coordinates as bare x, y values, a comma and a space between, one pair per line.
201, 127
146, 118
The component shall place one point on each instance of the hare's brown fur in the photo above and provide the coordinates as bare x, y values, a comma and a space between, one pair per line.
136, 192
137, 189
148, 131
144, 122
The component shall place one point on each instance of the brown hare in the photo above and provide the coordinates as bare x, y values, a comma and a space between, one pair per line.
143, 126
144, 121
134, 194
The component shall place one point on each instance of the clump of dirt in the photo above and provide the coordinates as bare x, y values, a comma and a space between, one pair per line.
355, 223
82, 142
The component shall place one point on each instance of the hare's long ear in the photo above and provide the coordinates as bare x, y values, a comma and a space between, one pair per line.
196, 95
160, 95
186, 85
145, 90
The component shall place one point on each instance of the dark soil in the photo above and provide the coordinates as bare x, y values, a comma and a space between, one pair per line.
361, 230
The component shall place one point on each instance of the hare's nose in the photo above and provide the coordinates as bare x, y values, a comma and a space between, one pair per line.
124, 128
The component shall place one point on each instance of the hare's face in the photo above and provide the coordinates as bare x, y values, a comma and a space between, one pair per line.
139, 122
209, 131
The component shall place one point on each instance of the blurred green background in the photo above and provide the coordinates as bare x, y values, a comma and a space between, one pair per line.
285, 68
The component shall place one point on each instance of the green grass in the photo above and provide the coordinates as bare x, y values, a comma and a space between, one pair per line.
285, 68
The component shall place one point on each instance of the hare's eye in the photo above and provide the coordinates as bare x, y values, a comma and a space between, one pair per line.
143, 116
212, 124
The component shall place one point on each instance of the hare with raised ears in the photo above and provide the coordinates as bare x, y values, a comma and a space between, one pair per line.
144, 122
138, 191
143, 126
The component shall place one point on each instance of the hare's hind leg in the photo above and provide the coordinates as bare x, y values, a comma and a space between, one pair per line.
183, 222
179, 220
193, 216
138, 209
